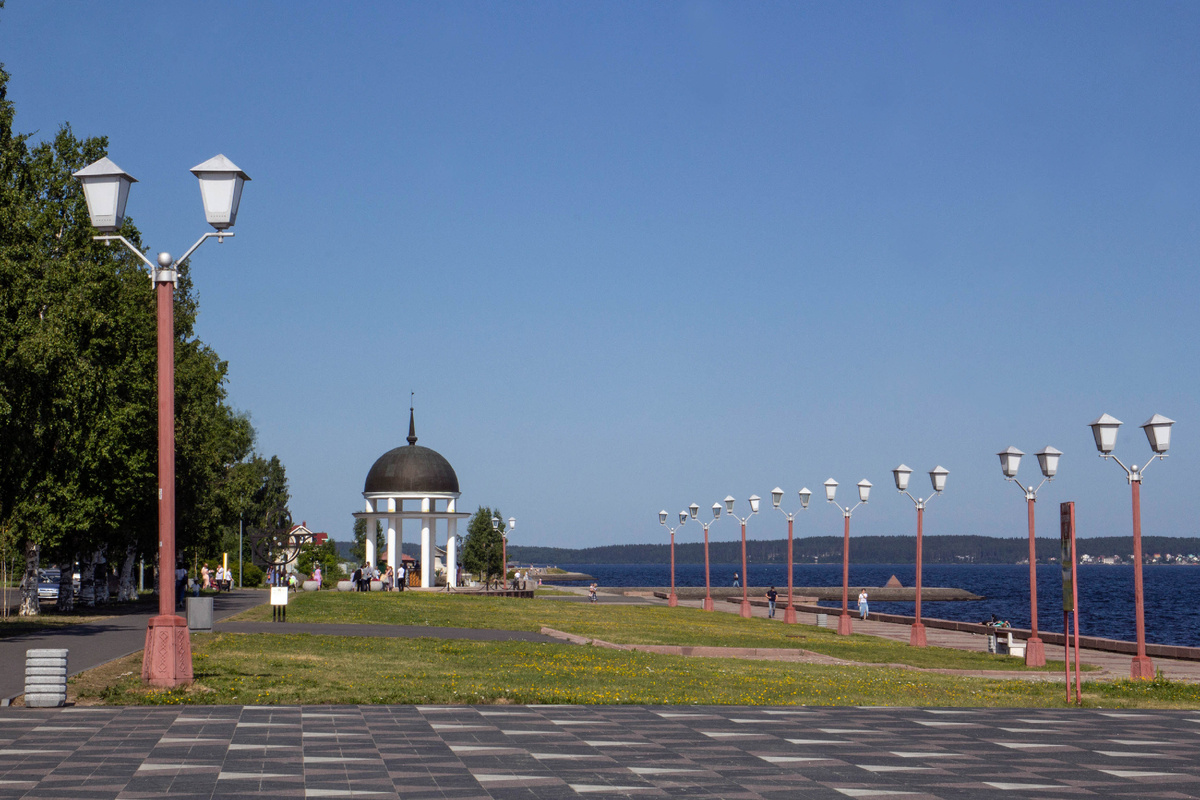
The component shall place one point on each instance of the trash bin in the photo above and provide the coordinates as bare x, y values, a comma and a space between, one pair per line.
200, 613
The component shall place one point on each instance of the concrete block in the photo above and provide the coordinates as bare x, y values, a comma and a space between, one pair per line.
46, 662
46, 653
45, 700
200, 613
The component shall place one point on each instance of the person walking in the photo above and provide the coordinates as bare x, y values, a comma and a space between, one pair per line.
592, 592
737, 580
772, 596
862, 604
316, 575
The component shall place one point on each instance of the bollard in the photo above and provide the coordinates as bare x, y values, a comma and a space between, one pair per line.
45, 678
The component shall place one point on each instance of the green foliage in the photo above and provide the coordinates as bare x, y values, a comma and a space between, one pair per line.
482, 551
252, 575
327, 556
358, 550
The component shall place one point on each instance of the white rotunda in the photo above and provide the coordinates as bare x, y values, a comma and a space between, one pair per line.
411, 482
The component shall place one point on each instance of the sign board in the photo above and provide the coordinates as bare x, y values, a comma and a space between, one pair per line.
1066, 559
279, 595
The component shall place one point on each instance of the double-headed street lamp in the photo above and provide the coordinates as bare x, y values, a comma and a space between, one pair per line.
672, 599
167, 660
754, 500
694, 510
864, 491
512, 523
1010, 461
937, 477
1158, 433
789, 613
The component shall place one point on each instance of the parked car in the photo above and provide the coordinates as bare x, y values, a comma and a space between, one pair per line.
48, 584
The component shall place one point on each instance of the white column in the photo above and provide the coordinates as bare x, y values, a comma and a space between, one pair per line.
452, 553
390, 526
370, 539
426, 548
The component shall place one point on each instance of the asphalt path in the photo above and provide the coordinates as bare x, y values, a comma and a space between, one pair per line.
510, 751
94, 643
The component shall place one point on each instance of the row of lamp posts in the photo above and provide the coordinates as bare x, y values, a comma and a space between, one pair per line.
1104, 430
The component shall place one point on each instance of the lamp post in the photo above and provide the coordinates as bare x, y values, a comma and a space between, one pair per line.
789, 613
1158, 433
672, 599
167, 659
937, 476
864, 491
754, 500
694, 510
1010, 461
496, 523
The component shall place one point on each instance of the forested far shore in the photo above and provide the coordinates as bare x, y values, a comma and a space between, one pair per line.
863, 550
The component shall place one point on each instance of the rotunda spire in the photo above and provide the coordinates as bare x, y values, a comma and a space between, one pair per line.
412, 427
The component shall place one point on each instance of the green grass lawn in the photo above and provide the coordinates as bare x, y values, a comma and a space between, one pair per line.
287, 669
623, 624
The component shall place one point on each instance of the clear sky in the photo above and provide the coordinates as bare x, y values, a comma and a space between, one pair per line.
634, 255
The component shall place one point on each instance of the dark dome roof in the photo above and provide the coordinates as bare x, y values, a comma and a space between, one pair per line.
411, 468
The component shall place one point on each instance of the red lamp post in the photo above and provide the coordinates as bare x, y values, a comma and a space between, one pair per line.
864, 490
672, 599
167, 659
937, 476
754, 500
497, 524
1010, 461
1158, 433
789, 613
694, 510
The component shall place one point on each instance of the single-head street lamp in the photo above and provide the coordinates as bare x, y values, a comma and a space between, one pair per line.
167, 661
864, 491
937, 479
694, 510
1158, 433
1010, 463
754, 500
789, 613
672, 599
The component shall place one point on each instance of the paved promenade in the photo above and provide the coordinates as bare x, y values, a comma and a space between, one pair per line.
739, 752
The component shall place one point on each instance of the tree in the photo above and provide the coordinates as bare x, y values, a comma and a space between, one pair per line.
324, 554
358, 550
482, 551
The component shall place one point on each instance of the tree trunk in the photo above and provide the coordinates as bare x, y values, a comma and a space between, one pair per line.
127, 590
66, 587
101, 575
30, 607
87, 582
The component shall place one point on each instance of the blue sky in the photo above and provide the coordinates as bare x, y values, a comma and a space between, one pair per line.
631, 256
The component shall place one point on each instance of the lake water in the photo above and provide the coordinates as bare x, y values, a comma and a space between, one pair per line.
1172, 593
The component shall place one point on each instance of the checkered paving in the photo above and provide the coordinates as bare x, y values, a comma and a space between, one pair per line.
727, 752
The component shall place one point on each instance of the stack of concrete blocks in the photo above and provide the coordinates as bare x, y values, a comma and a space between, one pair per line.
45, 678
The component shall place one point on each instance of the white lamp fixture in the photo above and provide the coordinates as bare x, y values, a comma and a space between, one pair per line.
1010, 461
1158, 433
694, 509
776, 496
805, 496
512, 523
864, 490
830, 489
902, 473
937, 476
495, 523
1048, 461
682, 517
106, 189
662, 517
1104, 430
754, 501
221, 190
716, 510
729, 501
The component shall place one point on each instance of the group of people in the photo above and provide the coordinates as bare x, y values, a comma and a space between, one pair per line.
221, 579
390, 579
773, 596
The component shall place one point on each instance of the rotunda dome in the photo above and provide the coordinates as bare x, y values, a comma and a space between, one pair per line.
411, 469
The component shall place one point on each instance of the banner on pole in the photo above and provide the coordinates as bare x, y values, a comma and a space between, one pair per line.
1066, 560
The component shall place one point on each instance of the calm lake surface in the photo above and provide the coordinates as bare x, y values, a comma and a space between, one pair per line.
1172, 593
